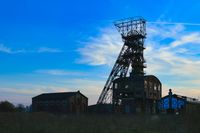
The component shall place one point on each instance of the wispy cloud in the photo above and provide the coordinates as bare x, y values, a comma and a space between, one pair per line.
58, 72
185, 39
33, 89
172, 56
174, 23
5, 49
48, 50
102, 49
169, 53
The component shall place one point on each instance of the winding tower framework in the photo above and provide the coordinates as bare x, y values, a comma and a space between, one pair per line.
133, 32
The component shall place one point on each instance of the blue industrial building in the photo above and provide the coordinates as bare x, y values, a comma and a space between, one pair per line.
173, 103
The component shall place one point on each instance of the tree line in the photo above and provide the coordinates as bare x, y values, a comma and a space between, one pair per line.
6, 106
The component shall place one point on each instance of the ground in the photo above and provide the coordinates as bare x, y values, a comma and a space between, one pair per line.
91, 123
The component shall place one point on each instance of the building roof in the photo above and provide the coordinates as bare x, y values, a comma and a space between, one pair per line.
188, 99
146, 77
57, 96
176, 96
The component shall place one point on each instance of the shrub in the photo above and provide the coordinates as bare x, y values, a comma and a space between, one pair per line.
6, 106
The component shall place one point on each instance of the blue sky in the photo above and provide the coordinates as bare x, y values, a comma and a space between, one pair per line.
49, 46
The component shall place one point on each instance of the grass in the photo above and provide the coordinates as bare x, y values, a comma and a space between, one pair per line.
49, 123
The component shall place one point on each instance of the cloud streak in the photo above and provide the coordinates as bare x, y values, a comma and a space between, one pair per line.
190, 38
174, 23
58, 72
101, 50
5, 49
48, 50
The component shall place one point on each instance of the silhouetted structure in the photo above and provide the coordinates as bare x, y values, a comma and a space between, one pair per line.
173, 103
130, 96
137, 92
64, 102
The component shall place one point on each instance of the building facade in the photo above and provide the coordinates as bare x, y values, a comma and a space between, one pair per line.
136, 94
64, 102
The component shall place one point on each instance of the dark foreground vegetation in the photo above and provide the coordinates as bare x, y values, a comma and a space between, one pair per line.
49, 123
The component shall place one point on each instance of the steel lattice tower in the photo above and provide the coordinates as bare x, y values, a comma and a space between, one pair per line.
133, 32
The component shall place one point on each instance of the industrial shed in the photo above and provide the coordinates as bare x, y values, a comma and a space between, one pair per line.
63, 102
173, 103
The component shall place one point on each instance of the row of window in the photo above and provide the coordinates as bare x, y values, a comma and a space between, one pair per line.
151, 86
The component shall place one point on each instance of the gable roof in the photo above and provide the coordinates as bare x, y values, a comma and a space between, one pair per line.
57, 96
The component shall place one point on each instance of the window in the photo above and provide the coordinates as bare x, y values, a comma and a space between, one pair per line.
155, 87
159, 88
126, 86
120, 101
145, 84
150, 85
116, 85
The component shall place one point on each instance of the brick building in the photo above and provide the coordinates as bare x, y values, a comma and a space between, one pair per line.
136, 94
63, 102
